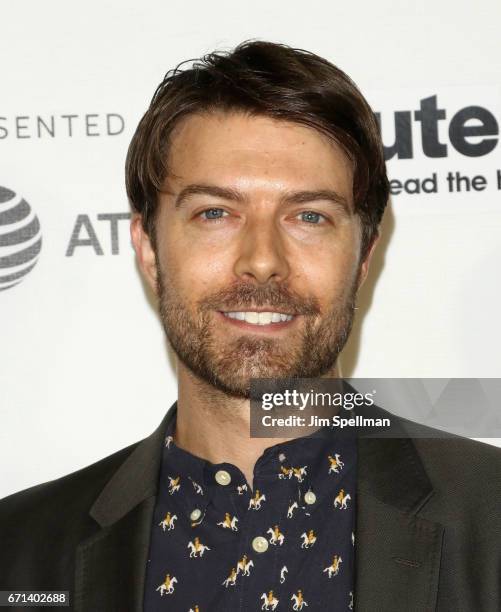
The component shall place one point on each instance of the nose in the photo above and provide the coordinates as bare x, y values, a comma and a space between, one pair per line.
261, 253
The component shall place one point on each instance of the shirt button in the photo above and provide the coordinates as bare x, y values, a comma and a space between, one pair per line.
310, 497
223, 477
195, 515
260, 544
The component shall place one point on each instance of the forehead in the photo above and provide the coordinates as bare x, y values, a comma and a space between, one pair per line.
252, 151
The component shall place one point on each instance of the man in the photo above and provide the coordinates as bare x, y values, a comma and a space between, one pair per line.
258, 185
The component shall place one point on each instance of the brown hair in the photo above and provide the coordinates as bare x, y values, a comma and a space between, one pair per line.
270, 79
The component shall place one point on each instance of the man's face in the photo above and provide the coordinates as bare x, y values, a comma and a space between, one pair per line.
257, 215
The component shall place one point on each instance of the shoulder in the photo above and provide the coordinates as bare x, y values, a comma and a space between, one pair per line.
465, 474
463, 458
69, 496
466, 479
445, 452
40, 527
456, 461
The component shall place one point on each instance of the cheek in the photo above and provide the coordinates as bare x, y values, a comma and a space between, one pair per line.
327, 272
196, 272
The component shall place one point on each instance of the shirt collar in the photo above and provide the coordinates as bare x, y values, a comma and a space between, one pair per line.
303, 461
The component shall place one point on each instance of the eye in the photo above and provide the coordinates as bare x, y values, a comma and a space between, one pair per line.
213, 214
312, 217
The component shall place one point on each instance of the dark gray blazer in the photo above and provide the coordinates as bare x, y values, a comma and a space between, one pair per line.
428, 533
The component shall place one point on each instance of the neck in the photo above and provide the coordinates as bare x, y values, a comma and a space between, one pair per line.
222, 424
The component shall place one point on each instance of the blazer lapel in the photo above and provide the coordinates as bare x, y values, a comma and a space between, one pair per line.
397, 554
111, 564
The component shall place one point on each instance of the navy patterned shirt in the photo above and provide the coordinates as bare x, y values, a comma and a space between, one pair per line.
288, 544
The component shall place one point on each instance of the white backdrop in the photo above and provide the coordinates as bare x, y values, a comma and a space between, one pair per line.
84, 368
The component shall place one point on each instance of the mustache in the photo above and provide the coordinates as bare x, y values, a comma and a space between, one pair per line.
248, 296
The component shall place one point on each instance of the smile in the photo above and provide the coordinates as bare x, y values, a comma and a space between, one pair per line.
259, 318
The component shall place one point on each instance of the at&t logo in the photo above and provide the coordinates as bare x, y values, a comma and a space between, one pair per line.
20, 238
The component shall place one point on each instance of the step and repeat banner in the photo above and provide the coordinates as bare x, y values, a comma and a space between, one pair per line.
84, 366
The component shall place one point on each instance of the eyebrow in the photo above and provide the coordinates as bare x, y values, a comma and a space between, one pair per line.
292, 197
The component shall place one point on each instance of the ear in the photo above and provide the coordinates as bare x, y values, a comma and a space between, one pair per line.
144, 251
364, 268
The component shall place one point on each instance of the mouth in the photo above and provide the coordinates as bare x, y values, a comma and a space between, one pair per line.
259, 320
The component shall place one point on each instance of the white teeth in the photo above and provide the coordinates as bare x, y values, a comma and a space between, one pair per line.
259, 318
264, 318
252, 317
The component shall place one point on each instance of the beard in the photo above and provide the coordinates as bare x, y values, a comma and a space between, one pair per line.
228, 363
